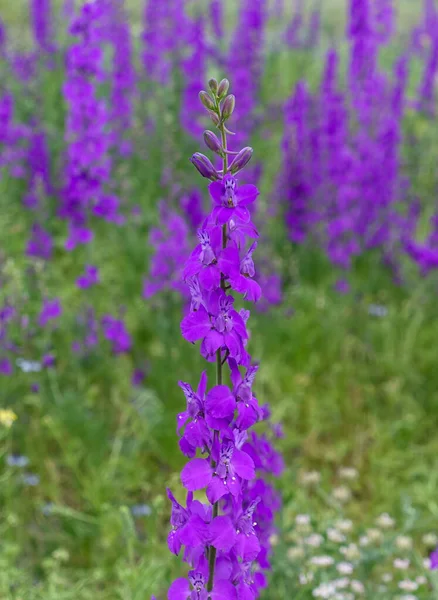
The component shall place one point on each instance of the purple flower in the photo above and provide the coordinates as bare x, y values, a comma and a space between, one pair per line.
226, 541
231, 200
218, 325
89, 278
115, 331
51, 310
5, 366
434, 559
48, 361
188, 528
138, 377
195, 588
232, 466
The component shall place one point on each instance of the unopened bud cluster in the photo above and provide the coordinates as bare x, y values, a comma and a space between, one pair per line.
220, 106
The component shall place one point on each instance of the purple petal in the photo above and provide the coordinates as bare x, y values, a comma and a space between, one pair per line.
229, 261
202, 385
179, 590
220, 402
247, 547
223, 590
234, 344
174, 542
242, 213
243, 464
216, 489
222, 534
209, 277
196, 474
246, 194
216, 190
194, 532
224, 214
236, 377
213, 341
195, 325
186, 448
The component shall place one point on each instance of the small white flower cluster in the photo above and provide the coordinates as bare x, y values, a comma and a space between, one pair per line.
326, 554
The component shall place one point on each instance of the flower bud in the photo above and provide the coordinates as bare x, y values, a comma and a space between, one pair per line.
206, 100
228, 107
213, 85
204, 166
223, 88
214, 117
212, 141
241, 160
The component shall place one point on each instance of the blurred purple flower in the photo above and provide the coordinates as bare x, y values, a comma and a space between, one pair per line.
89, 278
115, 331
51, 309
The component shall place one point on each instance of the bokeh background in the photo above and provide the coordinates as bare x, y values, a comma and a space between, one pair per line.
338, 100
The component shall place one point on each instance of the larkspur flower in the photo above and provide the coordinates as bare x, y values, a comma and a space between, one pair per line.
231, 200
227, 542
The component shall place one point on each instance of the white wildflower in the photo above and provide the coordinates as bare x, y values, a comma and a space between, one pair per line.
344, 568
351, 552
342, 494
325, 590
375, 535
430, 540
348, 473
315, 540
407, 585
305, 578
385, 521
344, 525
401, 563
295, 552
357, 587
322, 561
403, 542
335, 536
309, 478
302, 519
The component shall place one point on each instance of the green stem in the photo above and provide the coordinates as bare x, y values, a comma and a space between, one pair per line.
212, 550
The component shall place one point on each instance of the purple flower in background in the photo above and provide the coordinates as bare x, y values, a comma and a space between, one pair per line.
89, 278
124, 79
51, 310
434, 559
170, 241
41, 15
342, 286
138, 377
192, 205
88, 133
115, 331
6, 367
48, 361
193, 68
40, 244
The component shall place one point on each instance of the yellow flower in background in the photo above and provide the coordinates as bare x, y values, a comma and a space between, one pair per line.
7, 417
